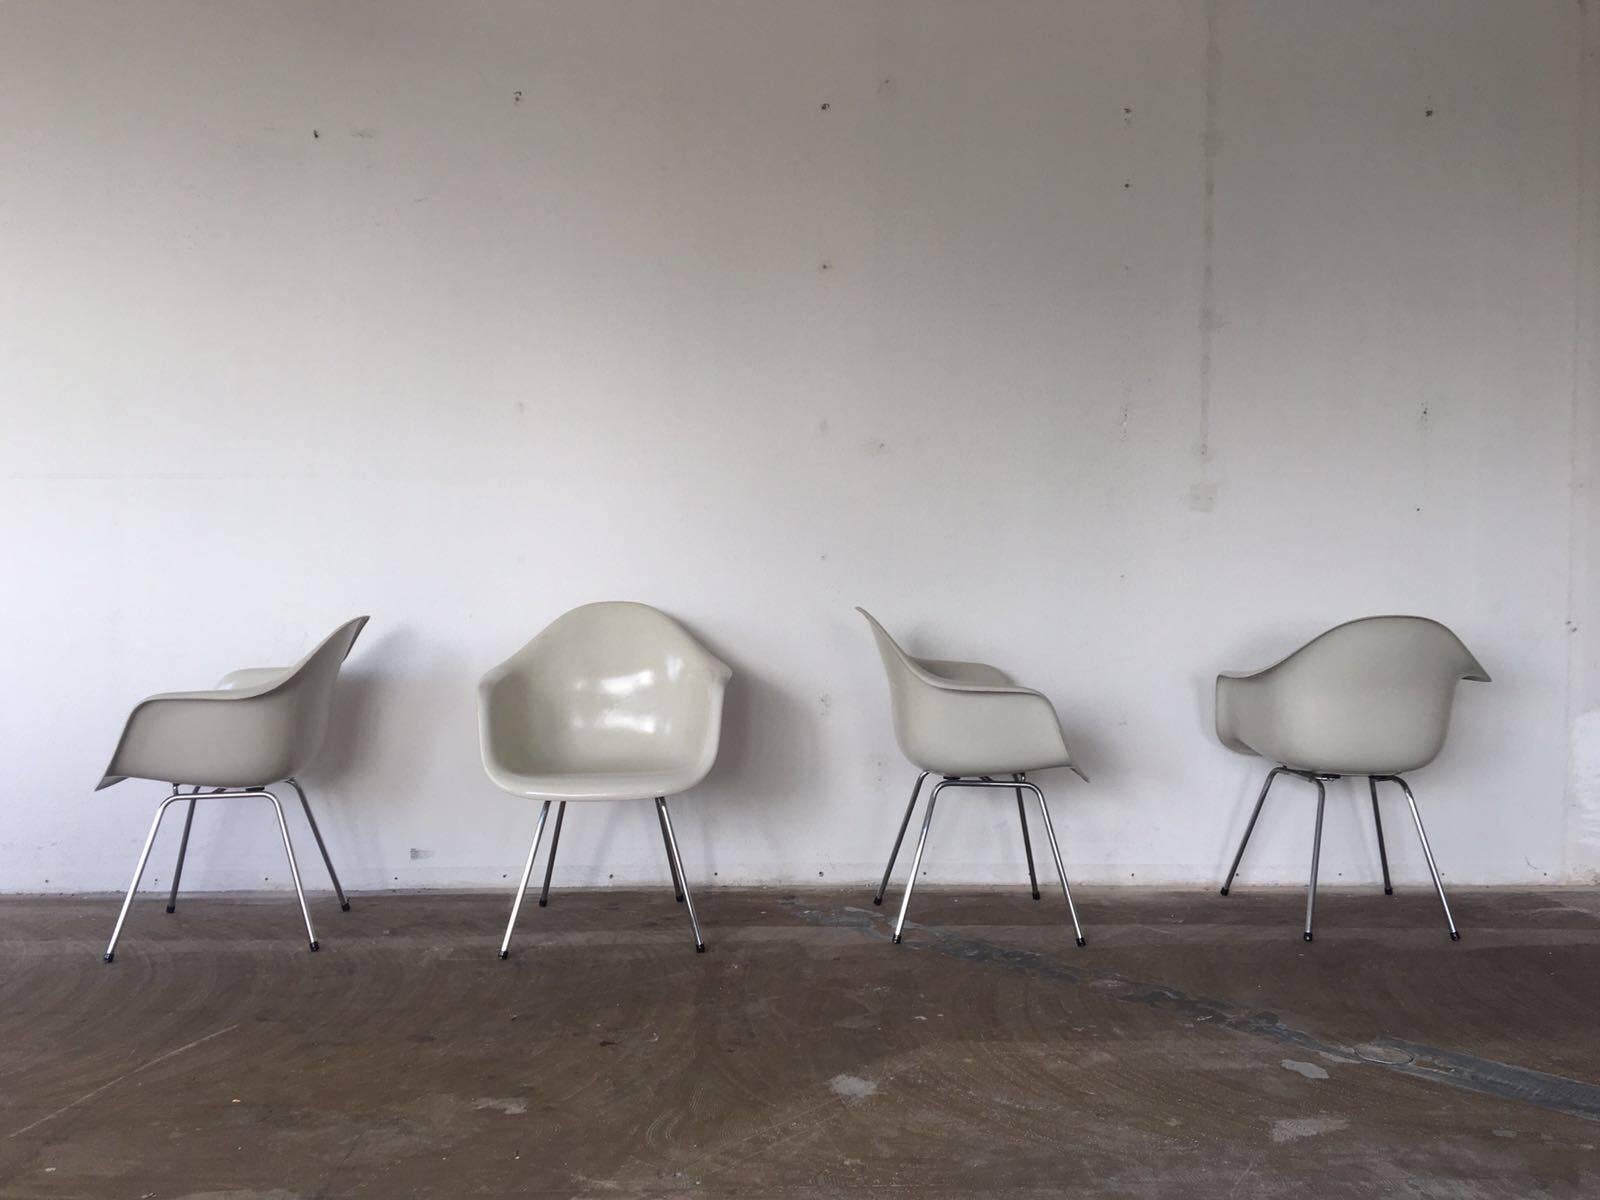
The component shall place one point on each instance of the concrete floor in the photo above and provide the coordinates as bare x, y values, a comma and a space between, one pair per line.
1196, 1046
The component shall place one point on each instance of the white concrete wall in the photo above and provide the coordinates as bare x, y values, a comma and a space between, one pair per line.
1115, 343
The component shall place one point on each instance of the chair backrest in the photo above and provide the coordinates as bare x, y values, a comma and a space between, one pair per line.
909, 684
612, 686
1377, 690
308, 688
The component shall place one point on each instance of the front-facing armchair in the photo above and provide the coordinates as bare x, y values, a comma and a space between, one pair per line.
612, 701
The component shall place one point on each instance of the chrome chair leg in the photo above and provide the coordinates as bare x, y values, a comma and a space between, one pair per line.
1316, 854
916, 861
1027, 843
305, 804
672, 867
1427, 853
183, 849
898, 838
138, 872
1250, 828
527, 871
1055, 850
1377, 820
294, 869
550, 866
677, 866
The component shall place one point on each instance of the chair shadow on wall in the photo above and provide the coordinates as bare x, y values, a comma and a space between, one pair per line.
1261, 647
355, 739
766, 753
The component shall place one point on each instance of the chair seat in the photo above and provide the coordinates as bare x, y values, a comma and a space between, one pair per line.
596, 785
977, 765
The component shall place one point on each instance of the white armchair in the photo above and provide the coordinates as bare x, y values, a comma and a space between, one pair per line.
613, 701
1370, 697
968, 723
259, 726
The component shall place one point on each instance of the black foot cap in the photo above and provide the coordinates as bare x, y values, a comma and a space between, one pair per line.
1036, 895
1388, 891
1083, 941
544, 904
315, 946
700, 948
878, 900
1224, 891
345, 907
171, 908
1455, 937
504, 954
679, 899
1308, 937
108, 957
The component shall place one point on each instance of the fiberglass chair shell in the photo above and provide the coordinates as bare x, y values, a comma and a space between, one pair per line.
968, 723
613, 701
1370, 697
259, 725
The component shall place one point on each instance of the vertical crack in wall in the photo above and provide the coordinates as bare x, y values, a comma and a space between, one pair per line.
1582, 842
1210, 142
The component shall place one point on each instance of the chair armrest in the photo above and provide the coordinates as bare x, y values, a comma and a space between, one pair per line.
968, 729
966, 672
227, 738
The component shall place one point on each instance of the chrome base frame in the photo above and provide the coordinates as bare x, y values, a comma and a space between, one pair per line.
1373, 781
680, 883
191, 796
1019, 783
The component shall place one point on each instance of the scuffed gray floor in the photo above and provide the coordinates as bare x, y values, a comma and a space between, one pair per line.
1196, 1047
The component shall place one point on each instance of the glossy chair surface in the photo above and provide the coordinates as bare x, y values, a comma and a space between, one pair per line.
967, 718
1369, 697
969, 723
612, 701
257, 726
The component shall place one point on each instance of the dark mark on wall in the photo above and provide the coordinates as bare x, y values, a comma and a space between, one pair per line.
826, 106
1467, 1072
315, 134
516, 97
